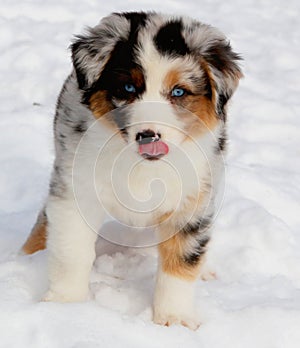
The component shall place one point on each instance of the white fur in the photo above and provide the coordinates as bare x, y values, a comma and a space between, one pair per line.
71, 245
130, 189
174, 301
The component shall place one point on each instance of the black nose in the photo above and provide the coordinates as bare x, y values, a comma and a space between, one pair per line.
147, 136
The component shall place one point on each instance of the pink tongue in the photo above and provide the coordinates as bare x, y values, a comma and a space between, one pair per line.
155, 148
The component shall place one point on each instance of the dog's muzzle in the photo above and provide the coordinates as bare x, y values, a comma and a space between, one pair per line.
151, 146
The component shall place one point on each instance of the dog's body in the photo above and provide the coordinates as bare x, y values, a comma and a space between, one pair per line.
158, 87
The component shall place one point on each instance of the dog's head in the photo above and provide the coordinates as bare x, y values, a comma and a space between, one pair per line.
170, 75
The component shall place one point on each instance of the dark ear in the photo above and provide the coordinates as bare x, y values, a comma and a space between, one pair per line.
218, 59
224, 72
91, 51
81, 58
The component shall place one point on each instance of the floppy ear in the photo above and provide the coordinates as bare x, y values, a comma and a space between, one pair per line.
217, 58
91, 51
224, 72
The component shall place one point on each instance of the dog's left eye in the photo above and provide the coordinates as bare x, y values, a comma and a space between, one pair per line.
129, 88
177, 92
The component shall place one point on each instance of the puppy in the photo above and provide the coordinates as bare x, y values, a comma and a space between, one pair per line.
146, 101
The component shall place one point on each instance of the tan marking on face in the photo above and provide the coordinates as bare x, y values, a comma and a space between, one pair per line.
203, 108
99, 104
137, 77
172, 79
198, 105
37, 238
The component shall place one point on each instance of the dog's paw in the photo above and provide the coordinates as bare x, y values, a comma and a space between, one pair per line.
207, 272
191, 322
208, 275
52, 296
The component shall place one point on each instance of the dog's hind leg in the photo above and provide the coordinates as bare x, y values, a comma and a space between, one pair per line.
37, 239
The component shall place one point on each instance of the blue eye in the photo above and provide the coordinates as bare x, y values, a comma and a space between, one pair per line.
177, 92
129, 88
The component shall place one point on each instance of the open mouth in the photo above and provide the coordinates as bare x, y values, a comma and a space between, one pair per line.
152, 148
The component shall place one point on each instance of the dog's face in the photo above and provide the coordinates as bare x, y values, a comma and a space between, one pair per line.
171, 77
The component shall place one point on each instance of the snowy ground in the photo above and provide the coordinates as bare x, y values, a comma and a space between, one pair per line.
255, 301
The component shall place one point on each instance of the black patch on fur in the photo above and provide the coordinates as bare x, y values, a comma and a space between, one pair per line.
198, 227
223, 99
197, 230
56, 187
222, 141
116, 72
60, 137
194, 257
221, 107
169, 39
137, 19
124, 132
80, 127
223, 58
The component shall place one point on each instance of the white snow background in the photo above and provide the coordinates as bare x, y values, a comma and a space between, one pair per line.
255, 300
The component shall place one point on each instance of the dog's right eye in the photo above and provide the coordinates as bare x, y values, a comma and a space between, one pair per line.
129, 88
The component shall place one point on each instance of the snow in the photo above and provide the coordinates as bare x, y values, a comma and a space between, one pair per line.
255, 300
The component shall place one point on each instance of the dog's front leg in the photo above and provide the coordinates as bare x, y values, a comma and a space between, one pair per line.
71, 245
181, 257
